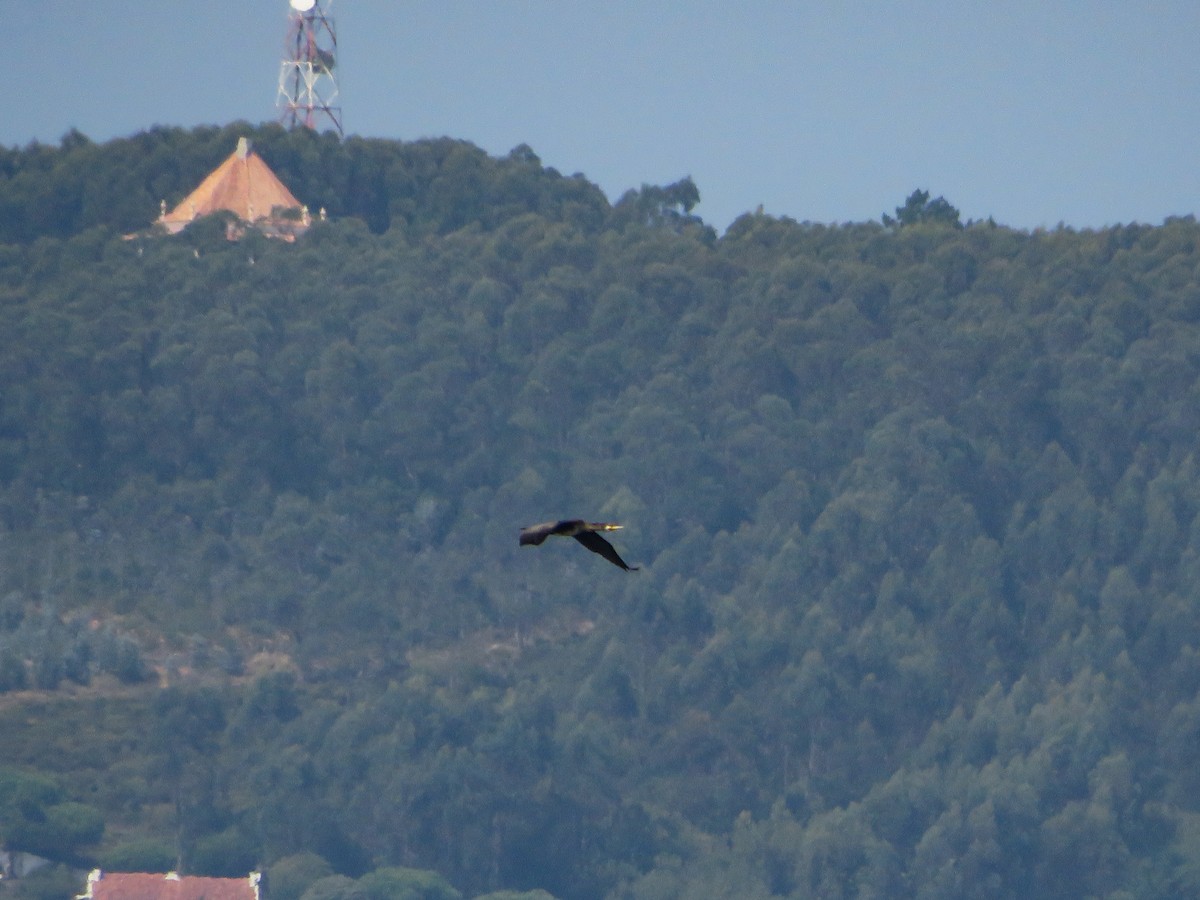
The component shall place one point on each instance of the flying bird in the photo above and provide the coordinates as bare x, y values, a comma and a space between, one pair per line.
584, 532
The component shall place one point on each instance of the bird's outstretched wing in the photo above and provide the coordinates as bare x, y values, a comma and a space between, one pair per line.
535, 534
597, 544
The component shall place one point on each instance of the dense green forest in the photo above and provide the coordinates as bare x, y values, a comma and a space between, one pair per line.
916, 504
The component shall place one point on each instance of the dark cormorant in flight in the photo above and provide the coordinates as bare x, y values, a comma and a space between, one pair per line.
584, 532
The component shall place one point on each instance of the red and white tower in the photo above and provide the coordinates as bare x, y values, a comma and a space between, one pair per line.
308, 85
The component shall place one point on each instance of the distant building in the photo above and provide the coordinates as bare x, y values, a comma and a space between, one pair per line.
245, 186
143, 886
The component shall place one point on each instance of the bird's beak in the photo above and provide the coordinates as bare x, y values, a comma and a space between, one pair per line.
613, 527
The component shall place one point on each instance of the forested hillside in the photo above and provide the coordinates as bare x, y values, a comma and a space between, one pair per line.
916, 506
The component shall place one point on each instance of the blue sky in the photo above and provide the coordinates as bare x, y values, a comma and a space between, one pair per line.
1034, 113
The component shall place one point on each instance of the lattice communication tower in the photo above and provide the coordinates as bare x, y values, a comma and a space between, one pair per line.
308, 87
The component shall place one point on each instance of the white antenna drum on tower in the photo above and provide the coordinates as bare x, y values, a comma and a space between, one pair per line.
308, 85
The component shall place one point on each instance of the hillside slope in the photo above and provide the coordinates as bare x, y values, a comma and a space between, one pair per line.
916, 508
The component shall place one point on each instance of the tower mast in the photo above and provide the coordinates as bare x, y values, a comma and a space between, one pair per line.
308, 84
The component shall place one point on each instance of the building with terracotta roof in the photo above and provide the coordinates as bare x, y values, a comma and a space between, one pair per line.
146, 886
245, 186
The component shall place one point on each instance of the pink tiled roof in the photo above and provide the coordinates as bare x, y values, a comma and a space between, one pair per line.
143, 886
243, 184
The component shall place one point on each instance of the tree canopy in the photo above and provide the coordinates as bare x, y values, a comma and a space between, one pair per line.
916, 510
919, 208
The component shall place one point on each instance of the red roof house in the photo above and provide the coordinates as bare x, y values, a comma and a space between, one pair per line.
245, 186
146, 886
